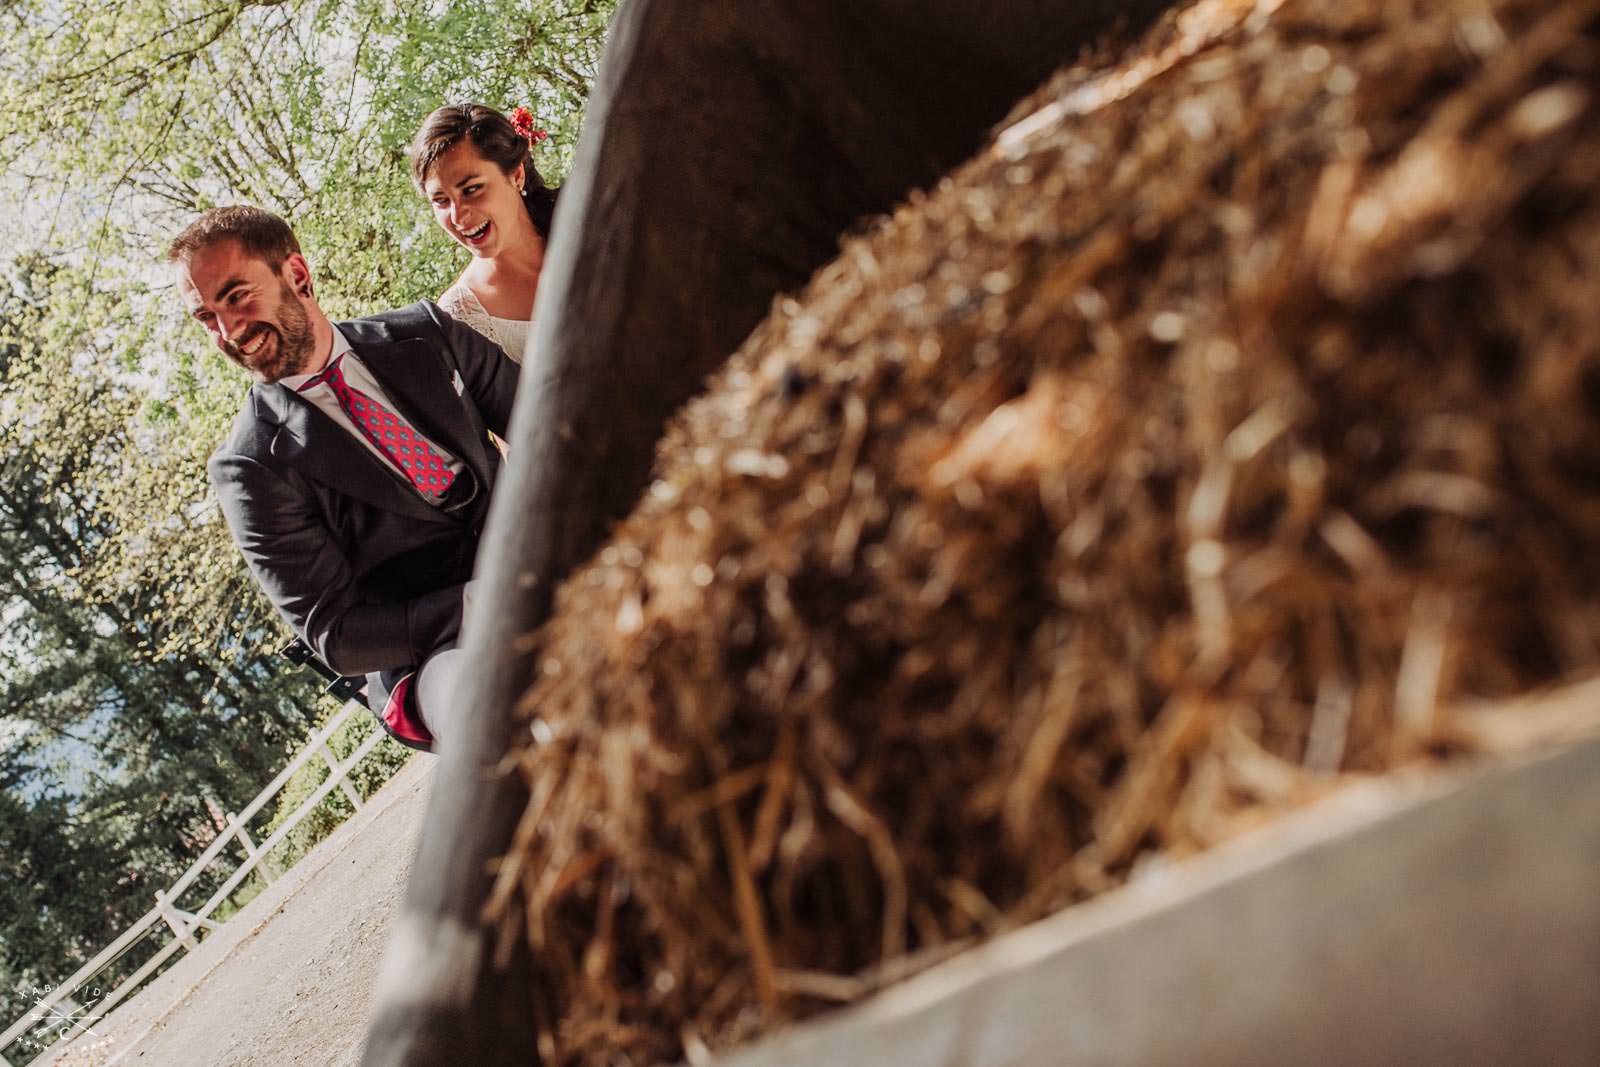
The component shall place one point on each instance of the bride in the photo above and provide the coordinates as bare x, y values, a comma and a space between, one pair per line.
475, 167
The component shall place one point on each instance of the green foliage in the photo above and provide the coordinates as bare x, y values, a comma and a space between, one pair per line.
128, 126
137, 687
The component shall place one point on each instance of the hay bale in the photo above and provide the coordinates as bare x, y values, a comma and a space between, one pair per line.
1201, 445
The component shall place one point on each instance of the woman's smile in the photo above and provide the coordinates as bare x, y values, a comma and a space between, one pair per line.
469, 194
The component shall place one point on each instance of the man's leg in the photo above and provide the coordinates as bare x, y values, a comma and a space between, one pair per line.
438, 685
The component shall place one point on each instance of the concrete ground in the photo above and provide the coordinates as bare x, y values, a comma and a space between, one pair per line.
280, 984
1432, 917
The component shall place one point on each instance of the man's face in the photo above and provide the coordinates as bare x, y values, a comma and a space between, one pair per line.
251, 311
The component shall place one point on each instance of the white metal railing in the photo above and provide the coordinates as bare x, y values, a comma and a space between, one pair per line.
183, 924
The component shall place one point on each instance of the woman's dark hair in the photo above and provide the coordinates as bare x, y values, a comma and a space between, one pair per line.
492, 134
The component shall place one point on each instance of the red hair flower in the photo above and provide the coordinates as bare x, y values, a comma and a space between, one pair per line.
522, 122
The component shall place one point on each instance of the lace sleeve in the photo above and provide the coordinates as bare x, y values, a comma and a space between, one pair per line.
459, 303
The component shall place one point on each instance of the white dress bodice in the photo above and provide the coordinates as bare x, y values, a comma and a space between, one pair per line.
462, 305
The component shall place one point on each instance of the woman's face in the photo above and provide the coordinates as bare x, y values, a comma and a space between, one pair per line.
476, 202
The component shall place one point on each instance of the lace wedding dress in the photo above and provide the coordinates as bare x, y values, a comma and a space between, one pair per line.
463, 306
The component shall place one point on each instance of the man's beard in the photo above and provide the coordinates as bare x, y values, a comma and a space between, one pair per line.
296, 342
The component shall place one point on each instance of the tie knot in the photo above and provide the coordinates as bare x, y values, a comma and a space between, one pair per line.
331, 374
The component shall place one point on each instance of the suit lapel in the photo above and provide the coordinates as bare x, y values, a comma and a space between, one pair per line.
322, 449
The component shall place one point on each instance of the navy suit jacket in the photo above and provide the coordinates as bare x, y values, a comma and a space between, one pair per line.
366, 571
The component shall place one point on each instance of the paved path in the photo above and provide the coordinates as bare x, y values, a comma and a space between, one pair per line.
288, 980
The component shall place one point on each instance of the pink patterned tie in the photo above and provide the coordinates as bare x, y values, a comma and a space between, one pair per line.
414, 456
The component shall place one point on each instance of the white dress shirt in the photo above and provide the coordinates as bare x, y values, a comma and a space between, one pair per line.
359, 378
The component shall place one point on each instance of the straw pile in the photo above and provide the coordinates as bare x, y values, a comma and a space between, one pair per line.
1201, 445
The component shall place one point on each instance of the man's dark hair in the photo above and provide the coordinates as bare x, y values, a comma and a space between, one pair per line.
262, 234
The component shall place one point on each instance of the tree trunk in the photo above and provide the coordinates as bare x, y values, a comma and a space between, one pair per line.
725, 149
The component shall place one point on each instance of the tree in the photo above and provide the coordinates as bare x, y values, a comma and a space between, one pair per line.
135, 671
129, 121
113, 750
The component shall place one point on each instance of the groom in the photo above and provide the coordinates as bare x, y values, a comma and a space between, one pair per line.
356, 479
